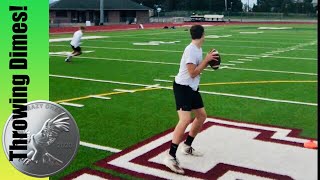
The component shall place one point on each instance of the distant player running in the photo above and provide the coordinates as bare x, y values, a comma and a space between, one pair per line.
75, 44
188, 98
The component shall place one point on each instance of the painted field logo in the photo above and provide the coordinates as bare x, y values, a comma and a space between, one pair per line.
48, 142
233, 150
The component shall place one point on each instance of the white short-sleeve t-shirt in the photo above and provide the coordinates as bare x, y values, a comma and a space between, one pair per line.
75, 42
192, 54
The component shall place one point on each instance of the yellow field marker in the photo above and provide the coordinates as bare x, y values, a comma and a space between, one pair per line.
104, 94
205, 84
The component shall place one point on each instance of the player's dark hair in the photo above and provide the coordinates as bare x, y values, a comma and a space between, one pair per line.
82, 28
196, 31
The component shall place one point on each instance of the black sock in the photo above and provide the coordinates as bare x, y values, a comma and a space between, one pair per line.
173, 149
189, 140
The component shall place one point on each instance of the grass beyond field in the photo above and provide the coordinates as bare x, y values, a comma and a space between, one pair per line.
266, 78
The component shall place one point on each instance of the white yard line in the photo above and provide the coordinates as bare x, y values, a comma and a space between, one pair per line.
283, 57
154, 62
205, 92
132, 60
125, 60
163, 50
70, 38
260, 98
248, 47
151, 50
95, 146
98, 80
274, 71
222, 39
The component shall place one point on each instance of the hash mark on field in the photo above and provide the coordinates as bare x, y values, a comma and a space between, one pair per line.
245, 59
267, 54
100, 97
124, 90
153, 86
162, 80
72, 104
172, 76
226, 64
237, 62
250, 57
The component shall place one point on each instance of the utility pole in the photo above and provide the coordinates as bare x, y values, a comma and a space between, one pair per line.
101, 12
225, 5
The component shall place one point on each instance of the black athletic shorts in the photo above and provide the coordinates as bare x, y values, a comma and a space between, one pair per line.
186, 98
77, 49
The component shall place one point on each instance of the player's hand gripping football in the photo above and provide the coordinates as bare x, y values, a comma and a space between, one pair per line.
212, 56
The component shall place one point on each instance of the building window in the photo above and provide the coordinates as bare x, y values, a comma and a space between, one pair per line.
61, 14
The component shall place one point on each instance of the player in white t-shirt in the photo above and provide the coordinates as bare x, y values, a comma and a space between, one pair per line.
75, 44
188, 98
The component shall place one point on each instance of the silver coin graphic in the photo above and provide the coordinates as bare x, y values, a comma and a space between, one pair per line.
50, 139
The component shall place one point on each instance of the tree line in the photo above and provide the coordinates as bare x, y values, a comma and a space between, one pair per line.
280, 6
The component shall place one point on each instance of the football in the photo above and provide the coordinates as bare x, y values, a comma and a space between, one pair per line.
215, 64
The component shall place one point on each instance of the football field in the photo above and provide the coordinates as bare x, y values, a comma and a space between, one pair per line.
119, 89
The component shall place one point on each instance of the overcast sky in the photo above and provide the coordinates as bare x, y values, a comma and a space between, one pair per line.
251, 2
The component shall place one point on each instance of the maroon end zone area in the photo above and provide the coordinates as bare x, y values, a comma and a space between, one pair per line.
90, 171
216, 171
119, 27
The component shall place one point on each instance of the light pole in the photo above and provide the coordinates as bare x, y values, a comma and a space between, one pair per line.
101, 12
158, 10
225, 5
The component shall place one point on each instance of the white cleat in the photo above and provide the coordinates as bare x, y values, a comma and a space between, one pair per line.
188, 150
173, 164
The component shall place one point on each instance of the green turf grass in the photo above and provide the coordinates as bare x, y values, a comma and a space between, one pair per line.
130, 118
